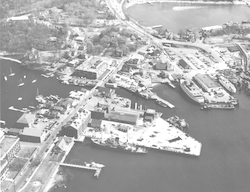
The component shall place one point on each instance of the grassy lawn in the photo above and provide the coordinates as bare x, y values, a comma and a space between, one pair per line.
26, 152
40, 179
15, 166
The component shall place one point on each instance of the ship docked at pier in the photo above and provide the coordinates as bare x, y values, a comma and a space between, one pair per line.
192, 90
227, 84
114, 143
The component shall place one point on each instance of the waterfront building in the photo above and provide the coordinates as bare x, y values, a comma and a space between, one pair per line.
92, 69
34, 133
149, 115
100, 111
207, 83
14, 131
123, 117
24, 121
96, 123
63, 144
75, 127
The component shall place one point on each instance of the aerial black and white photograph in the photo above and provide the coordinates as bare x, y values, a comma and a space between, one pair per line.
125, 95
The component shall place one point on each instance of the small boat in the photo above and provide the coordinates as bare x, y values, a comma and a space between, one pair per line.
94, 165
5, 78
34, 81
46, 76
21, 83
32, 107
11, 73
19, 98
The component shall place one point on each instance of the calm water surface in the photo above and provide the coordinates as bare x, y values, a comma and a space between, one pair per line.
222, 167
201, 16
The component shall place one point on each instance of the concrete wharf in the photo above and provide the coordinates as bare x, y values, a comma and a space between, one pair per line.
96, 169
165, 102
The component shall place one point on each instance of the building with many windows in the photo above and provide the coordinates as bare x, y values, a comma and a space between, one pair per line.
91, 69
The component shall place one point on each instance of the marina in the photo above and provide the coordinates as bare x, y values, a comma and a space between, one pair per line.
140, 121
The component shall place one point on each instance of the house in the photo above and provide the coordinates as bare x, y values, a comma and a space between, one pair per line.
63, 144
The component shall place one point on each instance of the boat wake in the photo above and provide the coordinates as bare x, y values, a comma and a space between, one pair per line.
182, 8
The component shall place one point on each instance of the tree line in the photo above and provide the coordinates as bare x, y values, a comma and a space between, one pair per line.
114, 41
24, 35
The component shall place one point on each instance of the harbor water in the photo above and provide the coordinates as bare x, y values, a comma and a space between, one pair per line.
175, 16
224, 134
222, 166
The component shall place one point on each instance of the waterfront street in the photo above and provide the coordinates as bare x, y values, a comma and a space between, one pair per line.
23, 183
222, 134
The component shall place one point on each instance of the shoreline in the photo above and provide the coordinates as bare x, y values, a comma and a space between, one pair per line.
53, 180
134, 2
10, 59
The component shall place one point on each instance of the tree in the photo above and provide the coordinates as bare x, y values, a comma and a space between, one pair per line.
97, 49
89, 47
132, 47
16, 165
95, 39
125, 50
105, 41
114, 42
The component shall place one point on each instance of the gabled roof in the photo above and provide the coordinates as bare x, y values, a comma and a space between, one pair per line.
26, 118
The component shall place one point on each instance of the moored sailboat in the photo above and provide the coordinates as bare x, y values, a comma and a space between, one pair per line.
5, 78
11, 73
21, 83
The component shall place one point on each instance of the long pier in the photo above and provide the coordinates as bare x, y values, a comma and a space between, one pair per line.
165, 102
96, 169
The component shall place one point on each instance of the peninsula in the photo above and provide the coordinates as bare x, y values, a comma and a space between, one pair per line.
96, 45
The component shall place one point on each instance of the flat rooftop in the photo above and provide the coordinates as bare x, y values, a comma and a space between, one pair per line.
7, 143
206, 80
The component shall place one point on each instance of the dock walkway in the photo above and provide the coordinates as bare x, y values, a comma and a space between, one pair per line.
96, 169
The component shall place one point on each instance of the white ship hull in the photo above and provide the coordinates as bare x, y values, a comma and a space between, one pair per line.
191, 96
227, 85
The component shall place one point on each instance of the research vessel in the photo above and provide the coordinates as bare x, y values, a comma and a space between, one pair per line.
227, 84
192, 90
